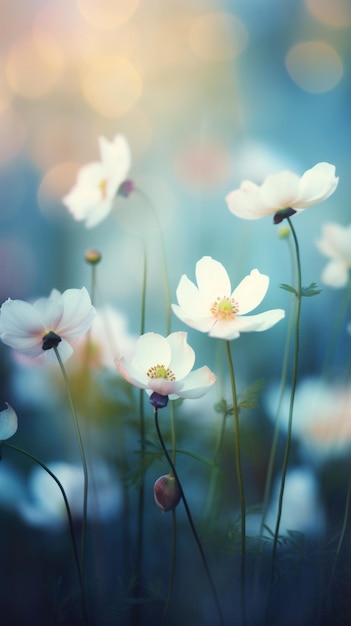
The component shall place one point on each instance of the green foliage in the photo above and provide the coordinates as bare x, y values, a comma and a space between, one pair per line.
307, 292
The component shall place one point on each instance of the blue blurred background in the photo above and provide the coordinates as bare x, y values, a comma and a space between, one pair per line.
207, 93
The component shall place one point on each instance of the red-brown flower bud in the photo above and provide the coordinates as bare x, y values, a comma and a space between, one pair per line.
167, 492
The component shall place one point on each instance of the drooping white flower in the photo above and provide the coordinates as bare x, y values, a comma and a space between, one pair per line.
335, 244
164, 365
57, 321
8, 422
92, 197
212, 307
283, 194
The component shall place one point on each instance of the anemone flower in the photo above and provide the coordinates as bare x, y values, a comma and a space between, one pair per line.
92, 197
283, 194
212, 307
335, 244
163, 365
8, 422
57, 321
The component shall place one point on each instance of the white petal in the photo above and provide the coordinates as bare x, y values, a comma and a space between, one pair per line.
246, 202
251, 291
190, 299
152, 349
225, 329
335, 274
115, 156
196, 384
201, 324
259, 322
279, 191
78, 313
317, 184
212, 279
132, 373
183, 356
8, 422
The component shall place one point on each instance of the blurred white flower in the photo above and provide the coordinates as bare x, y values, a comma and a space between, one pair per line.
164, 365
92, 197
44, 505
321, 420
211, 306
109, 338
335, 244
283, 194
8, 422
57, 321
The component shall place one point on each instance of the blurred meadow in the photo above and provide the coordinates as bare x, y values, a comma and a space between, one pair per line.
207, 93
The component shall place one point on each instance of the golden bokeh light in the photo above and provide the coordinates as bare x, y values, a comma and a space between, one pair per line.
111, 85
218, 36
55, 184
107, 14
334, 13
34, 64
315, 66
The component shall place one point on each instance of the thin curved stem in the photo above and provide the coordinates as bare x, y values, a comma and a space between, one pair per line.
292, 398
69, 516
172, 567
240, 480
190, 519
82, 455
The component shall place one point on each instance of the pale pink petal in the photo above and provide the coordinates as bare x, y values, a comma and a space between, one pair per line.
196, 384
212, 279
183, 356
335, 274
332, 236
316, 185
50, 311
251, 291
279, 191
8, 422
190, 299
152, 349
246, 202
132, 373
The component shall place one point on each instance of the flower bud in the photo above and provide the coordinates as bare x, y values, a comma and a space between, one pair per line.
126, 188
92, 256
167, 492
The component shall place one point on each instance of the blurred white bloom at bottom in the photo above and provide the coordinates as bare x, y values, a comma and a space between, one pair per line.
45, 506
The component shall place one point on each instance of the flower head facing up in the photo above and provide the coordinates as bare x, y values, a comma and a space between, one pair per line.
8, 422
335, 244
163, 365
212, 307
53, 322
283, 194
92, 197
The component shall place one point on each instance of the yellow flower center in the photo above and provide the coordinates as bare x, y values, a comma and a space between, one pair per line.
224, 308
103, 188
160, 371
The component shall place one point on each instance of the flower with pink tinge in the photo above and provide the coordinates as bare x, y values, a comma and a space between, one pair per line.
163, 365
335, 244
93, 195
54, 322
212, 307
8, 422
283, 194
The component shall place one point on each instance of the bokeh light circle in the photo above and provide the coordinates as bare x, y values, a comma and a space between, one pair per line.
218, 36
111, 85
315, 66
334, 13
55, 184
107, 14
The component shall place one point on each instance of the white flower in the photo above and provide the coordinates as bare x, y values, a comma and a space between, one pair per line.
57, 321
44, 505
213, 308
283, 194
163, 365
335, 243
8, 423
92, 197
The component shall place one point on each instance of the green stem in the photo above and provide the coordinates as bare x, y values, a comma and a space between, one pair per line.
69, 516
292, 398
172, 567
190, 518
82, 455
239, 478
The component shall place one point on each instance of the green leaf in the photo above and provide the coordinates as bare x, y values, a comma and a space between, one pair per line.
248, 399
288, 288
311, 290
